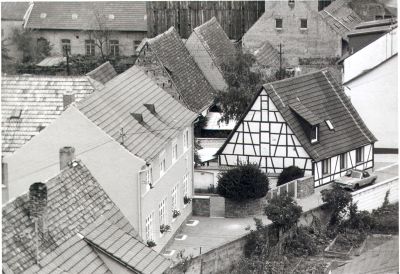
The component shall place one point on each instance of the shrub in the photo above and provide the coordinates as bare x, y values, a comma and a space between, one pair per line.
359, 220
164, 228
175, 213
289, 174
283, 211
242, 183
256, 240
337, 200
300, 243
186, 200
151, 243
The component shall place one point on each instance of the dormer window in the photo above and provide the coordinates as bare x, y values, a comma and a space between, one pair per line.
314, 136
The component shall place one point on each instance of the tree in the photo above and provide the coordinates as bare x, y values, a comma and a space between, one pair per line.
243, 182
289, 174
183, 261
283, 211
196, 156
338, 200
32, 50
243, 83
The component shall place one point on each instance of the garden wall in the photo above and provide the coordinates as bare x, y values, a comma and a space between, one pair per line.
299, 188
234, 209
201, 205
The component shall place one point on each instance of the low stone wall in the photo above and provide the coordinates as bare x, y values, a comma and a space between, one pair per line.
247, 208
201, 205
305, 187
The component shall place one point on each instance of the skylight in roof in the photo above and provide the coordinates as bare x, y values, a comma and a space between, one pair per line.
111, 16
74, 16
16, 114
329, 124
43, 15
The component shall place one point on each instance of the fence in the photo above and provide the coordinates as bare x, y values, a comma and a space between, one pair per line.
235, 17
298, 188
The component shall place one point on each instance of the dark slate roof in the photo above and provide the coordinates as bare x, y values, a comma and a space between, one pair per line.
190, 82
76, 204
115, 15
13, 10
268, 56
216, 42
103, 73
111, 109
321, 95
40, 99
340, 17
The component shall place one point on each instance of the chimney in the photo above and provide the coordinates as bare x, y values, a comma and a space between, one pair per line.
68, 99
138, 117
67, 155
37, 211
151, 108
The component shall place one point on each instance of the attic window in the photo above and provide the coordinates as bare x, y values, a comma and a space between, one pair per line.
314, 136
329, 124
74, 16
16, 114
43, 15
111, 17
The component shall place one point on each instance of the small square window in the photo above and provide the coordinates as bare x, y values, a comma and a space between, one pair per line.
303, 23
278, 23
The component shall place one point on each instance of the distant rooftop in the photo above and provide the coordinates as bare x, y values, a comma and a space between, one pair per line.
13, 10
103, 73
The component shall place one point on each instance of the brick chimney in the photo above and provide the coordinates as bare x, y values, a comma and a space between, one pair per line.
67, 155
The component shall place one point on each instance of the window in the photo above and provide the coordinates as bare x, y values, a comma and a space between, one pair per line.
161, 212
149, 227
314, 134
343, 161
329, 124
89, 46
303, 23
174, 151
186, 185
278, 23
149, 178
66, 47
174, 196
326, 166
114, 48
186, 139
359, 155
162, 163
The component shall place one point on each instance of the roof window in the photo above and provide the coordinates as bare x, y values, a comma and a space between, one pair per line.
43, 15
74, 16
111, 17
16, 114
329, 124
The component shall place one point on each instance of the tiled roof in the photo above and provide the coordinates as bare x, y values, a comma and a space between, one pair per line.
320, 94
111, 109
109, 238
191, 84
115, 15
376, 23
340, 17
268, 56
40, 100
13, 10
103, 73
216, 42
76, 203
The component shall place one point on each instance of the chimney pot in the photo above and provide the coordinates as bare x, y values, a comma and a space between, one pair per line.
37, 200
67, 155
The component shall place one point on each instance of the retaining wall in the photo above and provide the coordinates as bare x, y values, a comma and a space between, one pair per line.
201, 205
234, 209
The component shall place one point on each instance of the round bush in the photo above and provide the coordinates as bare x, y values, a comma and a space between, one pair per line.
242, 183
289, 174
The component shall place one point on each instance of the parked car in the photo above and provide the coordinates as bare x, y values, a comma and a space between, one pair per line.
354, 179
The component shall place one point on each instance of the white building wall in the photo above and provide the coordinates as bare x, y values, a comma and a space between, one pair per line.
375, 97
370, 56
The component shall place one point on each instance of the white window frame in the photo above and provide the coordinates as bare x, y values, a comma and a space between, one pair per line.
174, 150
174, 198
186, 139
186, 185
162, 163
149, 227
161, 211
343, 156
316, 129
276, 21
301, 20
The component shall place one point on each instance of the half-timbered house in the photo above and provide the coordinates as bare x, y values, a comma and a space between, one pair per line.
306, 121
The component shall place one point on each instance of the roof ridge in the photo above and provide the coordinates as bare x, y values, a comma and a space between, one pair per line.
296, 77
211, 21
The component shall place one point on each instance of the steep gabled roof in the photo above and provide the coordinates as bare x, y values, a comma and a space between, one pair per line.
114, 15
30, 103
77, 208
268, 56
340, 17
13, 10
321, 99
190, 83
216, 42
125, 107
103, 73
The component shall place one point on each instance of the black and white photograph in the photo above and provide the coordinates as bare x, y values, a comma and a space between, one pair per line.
199, 137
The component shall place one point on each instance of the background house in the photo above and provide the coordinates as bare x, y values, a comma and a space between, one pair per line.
69, 224
305, 121
84, 27
370, 79
13, 15
135, 138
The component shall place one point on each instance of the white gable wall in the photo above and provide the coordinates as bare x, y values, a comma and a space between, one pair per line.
264, 138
